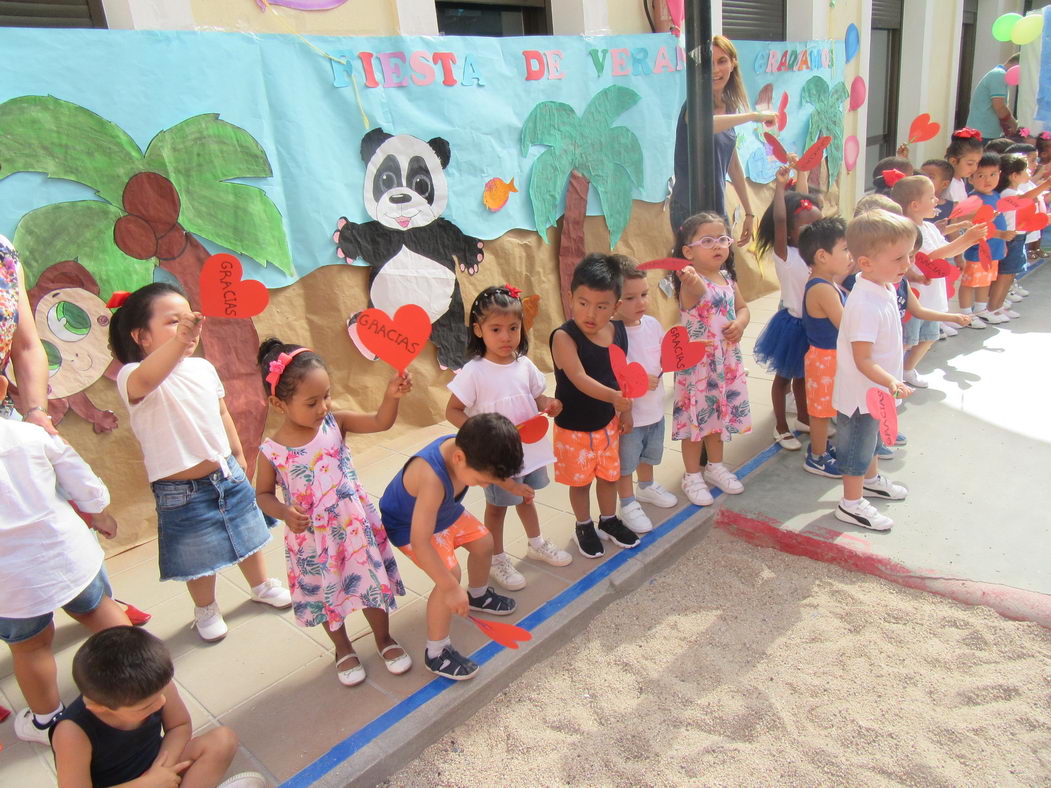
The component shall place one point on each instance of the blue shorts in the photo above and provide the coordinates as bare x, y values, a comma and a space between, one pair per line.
207, 524
916, 330
642, 444
1014, 261
16, 630
857, 438
498, 496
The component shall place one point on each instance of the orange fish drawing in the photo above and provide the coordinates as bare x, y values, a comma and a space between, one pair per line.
496, 193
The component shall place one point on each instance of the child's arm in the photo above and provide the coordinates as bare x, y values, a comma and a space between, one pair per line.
823, 301
736, 173
178, 728
429, 496
231, 435
159, 364
917, 310
296, 518
973, 235
549, 405
1041, 187
691, 287
383, 418
564, 354
77, 480
735, 329
455, 411
72, 755
781, 212
862, 352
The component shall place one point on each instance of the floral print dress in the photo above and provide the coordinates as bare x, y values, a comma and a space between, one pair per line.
712, 397
8, 298
343, 561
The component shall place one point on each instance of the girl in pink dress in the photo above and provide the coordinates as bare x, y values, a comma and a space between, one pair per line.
339, 559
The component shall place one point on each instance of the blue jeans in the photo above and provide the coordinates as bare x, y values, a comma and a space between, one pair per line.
642, 444
16, 630
857, 438
498, 496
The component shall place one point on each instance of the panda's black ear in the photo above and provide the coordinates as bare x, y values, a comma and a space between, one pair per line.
371, 142
441, 149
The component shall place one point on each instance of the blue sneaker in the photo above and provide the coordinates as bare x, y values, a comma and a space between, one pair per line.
830, 449
901, 440
825, 465
884, 452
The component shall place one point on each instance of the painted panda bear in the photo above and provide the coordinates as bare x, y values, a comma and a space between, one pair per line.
413, 253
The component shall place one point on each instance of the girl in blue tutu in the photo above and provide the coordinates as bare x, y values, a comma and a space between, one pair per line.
782, 344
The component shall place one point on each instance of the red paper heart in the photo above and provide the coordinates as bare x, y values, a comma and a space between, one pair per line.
814, 154
883, 409
678, 352
507, 635
396, 341
984, 214
632, 378
667, 263
908, 315
985, 255
225, 294
1014, 203
782, 116
966, 206
934, 269
923, 129
776, 147
1028, 219
532, 430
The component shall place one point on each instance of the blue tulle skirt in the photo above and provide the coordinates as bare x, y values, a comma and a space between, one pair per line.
782, 345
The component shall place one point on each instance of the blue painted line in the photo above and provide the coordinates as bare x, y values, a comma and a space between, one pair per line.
368, 733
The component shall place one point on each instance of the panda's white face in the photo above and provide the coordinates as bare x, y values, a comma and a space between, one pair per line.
405, 185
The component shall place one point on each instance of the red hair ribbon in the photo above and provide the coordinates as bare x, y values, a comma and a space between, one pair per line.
890, 177
513, 291
1045, 135
804, 205
279, 365
1024, 132
117, 299
968, 134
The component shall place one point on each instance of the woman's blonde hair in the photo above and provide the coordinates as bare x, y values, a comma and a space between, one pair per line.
735, 99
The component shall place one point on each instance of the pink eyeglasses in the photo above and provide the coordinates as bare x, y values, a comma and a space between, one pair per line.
713, 241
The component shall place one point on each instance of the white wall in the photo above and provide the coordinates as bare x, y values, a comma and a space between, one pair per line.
149, 14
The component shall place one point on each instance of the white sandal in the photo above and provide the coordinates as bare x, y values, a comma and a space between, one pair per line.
352, 676
787, 440
396, 665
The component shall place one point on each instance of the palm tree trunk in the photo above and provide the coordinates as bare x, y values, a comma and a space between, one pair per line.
231, 345
571, 244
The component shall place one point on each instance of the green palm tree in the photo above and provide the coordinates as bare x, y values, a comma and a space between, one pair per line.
152, 208
827, 119
582, 151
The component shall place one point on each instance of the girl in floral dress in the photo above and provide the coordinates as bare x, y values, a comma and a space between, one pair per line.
711, 398
339, 559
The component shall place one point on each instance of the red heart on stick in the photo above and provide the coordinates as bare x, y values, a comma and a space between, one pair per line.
966, 206
632, 378
985, 255
782, 116
225, 294
1014, 203
507, 635
678, 352
532, 430
1029, 220
396, 341
923, 129
776, 147
667, 263
985, 214
814, 154
883, 409
934, 269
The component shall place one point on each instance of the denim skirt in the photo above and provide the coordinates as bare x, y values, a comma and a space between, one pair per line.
207, 524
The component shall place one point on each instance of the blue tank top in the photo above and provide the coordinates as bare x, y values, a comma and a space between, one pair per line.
396, 505
820, 331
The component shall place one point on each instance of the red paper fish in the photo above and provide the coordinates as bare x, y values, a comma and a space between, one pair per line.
496, 192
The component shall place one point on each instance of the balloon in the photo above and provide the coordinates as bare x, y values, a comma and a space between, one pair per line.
1012, 75
1028, 29
851, 149
857, 93
1003, 26
853, 41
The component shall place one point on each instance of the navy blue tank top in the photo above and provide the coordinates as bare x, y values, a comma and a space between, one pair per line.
580, 412
396, 505
820, 331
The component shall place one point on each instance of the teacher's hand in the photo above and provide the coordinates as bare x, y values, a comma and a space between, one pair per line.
747, 229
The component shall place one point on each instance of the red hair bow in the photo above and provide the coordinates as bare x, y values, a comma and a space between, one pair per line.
278, 367
890, 177
117, 299
804, 205
1024, 132
1045, 135
513, 291
968, 134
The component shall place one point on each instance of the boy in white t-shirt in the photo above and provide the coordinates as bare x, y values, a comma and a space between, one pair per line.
868, 354
643, 447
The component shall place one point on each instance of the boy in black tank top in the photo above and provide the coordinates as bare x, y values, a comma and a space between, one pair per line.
587, 431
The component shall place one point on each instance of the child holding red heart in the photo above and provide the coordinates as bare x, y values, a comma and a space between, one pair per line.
982, 261
499, 378
711, 398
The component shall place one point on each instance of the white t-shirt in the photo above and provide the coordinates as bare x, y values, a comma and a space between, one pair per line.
179, 424
957, 191
48, 555
510, 390
1023, 189
933, 296
792, 274
644, 346
870, 315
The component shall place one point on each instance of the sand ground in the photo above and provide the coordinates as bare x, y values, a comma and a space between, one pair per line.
743, 666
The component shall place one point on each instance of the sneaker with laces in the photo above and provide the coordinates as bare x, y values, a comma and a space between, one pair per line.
588, 543
26, 728
991, 317
451, 664
245, 780
912, 377
825, 465
504, 573
657, 496
633, 517
696, 490
884, 488
864, 514
718, 475
273, 594
613, 530
549, 554
493, 603
976, 322
209, 623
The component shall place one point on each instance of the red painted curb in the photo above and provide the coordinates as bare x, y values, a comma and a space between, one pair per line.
853, 551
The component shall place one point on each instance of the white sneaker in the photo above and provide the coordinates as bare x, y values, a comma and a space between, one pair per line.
1005, 310
787, 440
505, 575
864, 514
1021, 291
884, 488
976, 322
245, 780
696, 490
718, 475
656, 495
991, 317
27, 730
549, 554
1014, 297
636, 519
950, 329
208, 622
273, 594
912, 377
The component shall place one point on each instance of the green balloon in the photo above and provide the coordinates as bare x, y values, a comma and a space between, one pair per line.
1028, 29
1004, 26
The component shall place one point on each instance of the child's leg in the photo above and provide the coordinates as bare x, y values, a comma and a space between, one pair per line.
379, 622
580, 501
713, 442
799, 392
606, 495
818, 436
344, 647
916, 354
998, 291
479, 561
778, 391
211, 753
202, 589
530, 520
494, 523
253, 568
981, 298
439, 615
644, 471
35, 671
966, 298
626, 485
691, 455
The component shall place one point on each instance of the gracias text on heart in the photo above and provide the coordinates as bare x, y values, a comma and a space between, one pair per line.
225, 294
396, 340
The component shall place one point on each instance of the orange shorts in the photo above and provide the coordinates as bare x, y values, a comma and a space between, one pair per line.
819, 366
580, 457
464, 530
977, 274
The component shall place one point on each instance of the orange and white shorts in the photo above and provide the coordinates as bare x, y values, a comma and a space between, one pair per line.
979, 274
465, 530
580, 457
819, 368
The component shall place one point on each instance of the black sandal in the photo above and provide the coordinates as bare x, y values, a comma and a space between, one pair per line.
451, 664
492, 602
